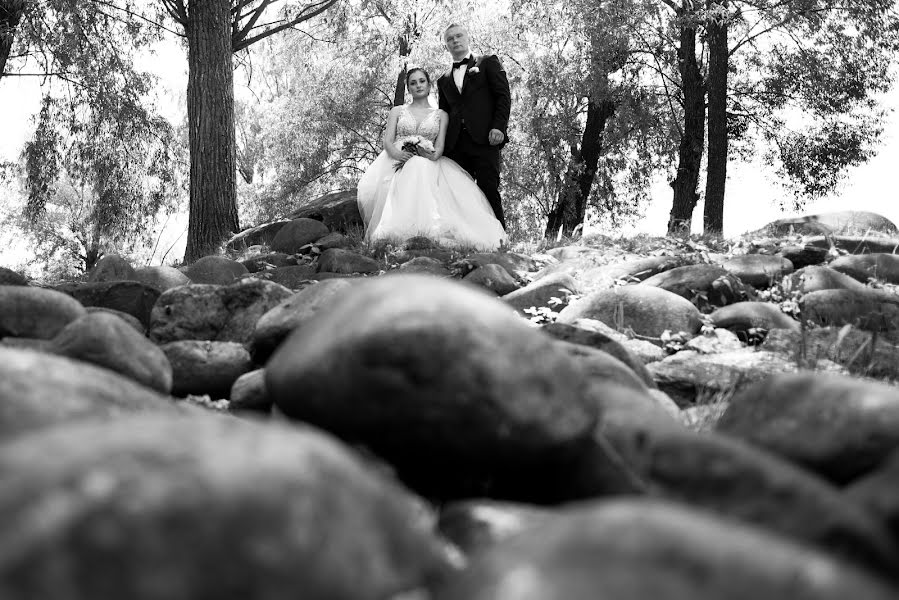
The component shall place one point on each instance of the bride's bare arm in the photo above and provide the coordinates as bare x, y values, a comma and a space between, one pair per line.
441, 136
390, 137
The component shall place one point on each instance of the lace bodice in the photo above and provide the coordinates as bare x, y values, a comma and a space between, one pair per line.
407, 124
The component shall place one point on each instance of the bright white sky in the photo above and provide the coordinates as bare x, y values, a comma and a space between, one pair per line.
750, 201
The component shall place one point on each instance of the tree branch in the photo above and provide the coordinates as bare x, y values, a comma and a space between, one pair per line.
307, 13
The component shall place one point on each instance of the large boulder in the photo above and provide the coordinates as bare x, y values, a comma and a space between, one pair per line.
639, 549
836, 426
39, 389
130, 297
339, 211
878, 491
153, 508
108, 341
444, 381
261, 234
648, 311
297, 233
209, 312
35, 312
844, 222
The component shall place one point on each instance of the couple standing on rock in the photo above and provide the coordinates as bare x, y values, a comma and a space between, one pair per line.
438, 175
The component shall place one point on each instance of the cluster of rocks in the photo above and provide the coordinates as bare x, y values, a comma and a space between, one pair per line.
417, 432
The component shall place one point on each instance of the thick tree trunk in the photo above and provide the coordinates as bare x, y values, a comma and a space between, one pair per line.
571, 205
716, 175
210, 117
11, 12
691, 144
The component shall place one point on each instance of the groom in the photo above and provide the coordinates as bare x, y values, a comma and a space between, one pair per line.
475, 93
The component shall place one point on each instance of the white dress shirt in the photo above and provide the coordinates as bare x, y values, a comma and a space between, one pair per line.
459, 74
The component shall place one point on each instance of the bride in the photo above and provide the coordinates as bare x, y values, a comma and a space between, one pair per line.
411, 189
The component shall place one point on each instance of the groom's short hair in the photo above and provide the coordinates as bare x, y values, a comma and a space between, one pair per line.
451, 26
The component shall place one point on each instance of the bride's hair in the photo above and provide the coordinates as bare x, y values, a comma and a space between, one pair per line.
413, 70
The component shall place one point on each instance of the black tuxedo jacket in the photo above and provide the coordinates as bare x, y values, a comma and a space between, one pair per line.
483, 104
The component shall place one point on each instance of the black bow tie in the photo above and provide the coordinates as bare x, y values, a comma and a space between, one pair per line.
456, 65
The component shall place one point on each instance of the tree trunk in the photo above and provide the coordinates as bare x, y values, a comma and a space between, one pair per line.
399, 93
691, 144
571, 206
11, 12
210, 117
716, 175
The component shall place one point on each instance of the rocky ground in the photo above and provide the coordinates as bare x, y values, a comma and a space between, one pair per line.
318, 418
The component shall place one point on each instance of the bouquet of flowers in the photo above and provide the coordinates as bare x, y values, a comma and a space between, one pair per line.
411, 143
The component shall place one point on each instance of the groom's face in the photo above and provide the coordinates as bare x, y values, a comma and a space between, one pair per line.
457, 42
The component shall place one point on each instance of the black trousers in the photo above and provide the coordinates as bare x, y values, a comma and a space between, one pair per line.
482, 162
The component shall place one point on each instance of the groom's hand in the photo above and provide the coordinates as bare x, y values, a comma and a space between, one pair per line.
495, 137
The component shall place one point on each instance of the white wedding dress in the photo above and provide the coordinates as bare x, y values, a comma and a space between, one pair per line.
436, 199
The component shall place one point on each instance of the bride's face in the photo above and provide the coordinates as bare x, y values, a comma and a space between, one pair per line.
418, 85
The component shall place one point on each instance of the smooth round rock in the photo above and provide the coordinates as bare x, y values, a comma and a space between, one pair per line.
338, 260
866, 309
299, 309
441, 379
558, 286
640, 549
207, 312
424, 265
878, 492
648, 311
132, 297
493, 278
816, 278
39, 389
733, 479
743, 316
297, 233
702, 284
153, 508
111, 267
206, 367
131, 320
10, 277
108, 341
758, 270
862, 267
836, 426
35, 312
161, 277
271, 260
600, 341
248, 394
215, 270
